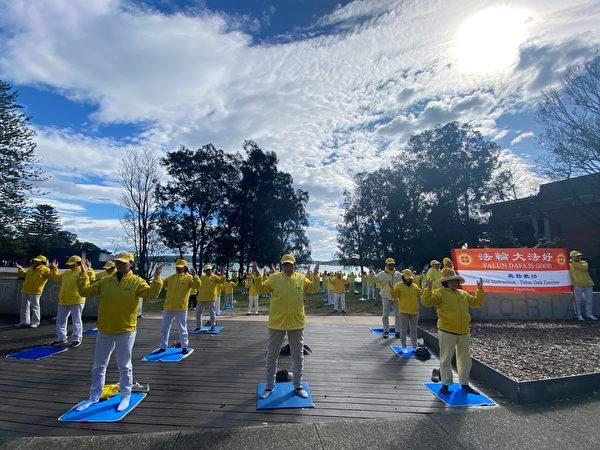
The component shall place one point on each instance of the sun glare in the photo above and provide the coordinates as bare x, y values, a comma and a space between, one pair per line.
487, 42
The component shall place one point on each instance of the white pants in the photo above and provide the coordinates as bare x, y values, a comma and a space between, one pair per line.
450, 344
584, 296
218, 305
229, 300
352, 287
210, 306
341, 298
252, 302
32, 300
62, 317
181, 322
370, 292
329, 297
105, 344
363, 287
385, 317
402, 326
296, 340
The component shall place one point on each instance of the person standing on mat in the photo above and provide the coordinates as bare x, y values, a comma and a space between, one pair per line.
452, 305
338, 286
207, 296
70, 303
286, 316
117, 321
252, 295
386, 279
434, 274
407, 292
582, 285
228, 287
36, 278
179, 287
109, 269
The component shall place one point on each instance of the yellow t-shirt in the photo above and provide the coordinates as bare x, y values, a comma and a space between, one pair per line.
179, 287
35, 279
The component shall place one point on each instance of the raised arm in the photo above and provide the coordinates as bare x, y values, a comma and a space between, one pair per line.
476, 301
430, 296
54, 273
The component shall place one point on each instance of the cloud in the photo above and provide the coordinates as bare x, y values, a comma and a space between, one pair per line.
521, 137
374, 74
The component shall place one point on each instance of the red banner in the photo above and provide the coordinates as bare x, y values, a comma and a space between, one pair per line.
535, 270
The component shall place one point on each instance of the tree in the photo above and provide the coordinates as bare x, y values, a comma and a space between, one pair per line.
139, 177
195, 195
570, 115
17, 170
43, 231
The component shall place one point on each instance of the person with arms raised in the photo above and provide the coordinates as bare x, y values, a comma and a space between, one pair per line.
36, 278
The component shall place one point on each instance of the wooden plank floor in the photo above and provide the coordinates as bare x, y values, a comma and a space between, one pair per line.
352, 374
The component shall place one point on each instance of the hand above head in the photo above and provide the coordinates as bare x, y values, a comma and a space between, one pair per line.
316, 272
158, 270
84, 265
54, 264
193, 272
18, 266
480, 283
255, 268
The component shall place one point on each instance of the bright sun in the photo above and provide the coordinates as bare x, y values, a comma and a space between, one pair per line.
487, 42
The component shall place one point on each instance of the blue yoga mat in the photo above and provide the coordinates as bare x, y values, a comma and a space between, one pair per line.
284, 397
228, 308
397, 349
103, 411
91, 331
380, 330
458, 397
170, 355
206, 330
37, 353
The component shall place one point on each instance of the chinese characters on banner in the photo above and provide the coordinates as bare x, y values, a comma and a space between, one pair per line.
537, 270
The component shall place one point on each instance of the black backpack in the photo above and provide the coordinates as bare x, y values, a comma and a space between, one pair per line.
422, 353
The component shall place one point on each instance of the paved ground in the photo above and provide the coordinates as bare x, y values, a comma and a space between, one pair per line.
353, 373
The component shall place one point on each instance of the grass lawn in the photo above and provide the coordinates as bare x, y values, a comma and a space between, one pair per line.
314, 304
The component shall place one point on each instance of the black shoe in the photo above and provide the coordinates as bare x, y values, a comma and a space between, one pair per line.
212, 328
177, 345
444, 390
385, 334
57, 343
343, 312
75, 344
196, 330
334, 311
207, 323
397, 335
160, 350
185, 351
468, 389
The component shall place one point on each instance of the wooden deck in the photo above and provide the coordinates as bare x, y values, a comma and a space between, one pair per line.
352, 374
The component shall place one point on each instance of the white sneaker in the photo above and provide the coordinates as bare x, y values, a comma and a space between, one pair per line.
34, 326
592, 317
301, 393
124, 404
580, 318
86, 404
264, 394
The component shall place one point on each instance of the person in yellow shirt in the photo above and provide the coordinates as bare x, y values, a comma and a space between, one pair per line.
434, 274
452, 304
582, 285
117, 321
252, 295
221, 274
36, 278
371, 285
338, 286
179, 287
363, 284
228, 287
70, 303
352, 283
407, 292
207, 296
447, 263
286, 316
109, 269
387, 278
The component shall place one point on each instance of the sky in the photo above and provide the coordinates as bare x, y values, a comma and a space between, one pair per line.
333, 87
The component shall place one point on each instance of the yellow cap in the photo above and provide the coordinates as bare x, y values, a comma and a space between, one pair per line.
181, 263
288, 258
448, 262
109, 264
407, 273
449, 274
575, 254
434, 262
40, 258
390, 261
73, 260
208, 267
124, 257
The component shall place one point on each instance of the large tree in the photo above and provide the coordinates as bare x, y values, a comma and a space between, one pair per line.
17, 170
570, 115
